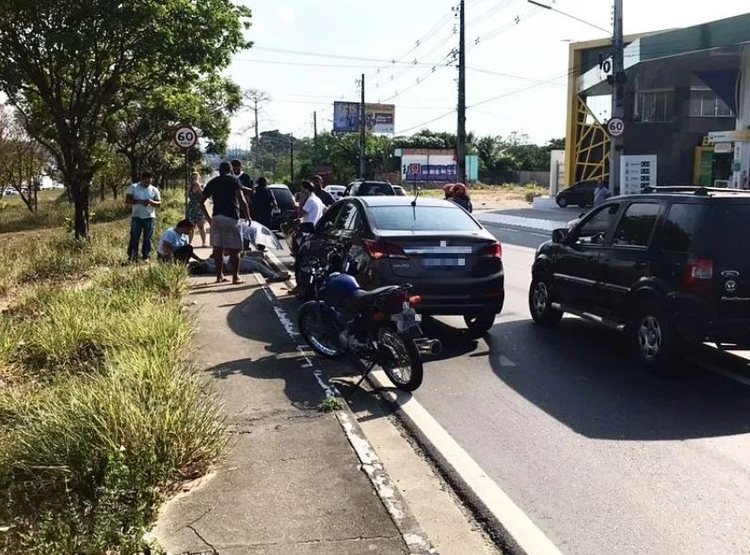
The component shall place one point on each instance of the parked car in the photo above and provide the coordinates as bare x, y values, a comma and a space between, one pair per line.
369, 188
452, 262
285, 201
582, 194
669, 268
400, 191
336, 191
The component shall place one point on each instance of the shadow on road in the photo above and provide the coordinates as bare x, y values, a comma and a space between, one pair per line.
584, 377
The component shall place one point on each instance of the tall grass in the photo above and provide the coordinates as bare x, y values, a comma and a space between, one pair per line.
99, 409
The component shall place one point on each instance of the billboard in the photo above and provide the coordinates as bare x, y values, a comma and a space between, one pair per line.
379, 118
434, 166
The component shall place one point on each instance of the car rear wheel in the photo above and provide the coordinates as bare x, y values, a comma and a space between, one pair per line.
479, 324
540, 303
655, 342
562, 202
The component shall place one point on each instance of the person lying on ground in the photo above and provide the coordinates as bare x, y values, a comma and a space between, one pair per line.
251, 263
174, 244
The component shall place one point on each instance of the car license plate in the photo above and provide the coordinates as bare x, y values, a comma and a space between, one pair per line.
406, 319
444, 263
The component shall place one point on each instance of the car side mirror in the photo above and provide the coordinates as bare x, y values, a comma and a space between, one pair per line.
560, 236
307, 227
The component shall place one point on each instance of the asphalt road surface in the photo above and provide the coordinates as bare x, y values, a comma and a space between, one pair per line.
603, 457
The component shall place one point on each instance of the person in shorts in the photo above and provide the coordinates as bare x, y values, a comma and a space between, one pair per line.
229, 204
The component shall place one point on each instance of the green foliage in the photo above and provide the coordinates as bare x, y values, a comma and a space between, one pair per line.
515, 153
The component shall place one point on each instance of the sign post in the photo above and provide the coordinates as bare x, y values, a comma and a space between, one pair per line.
185, 137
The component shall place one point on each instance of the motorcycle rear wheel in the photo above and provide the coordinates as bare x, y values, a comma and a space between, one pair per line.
319, 331
400, 359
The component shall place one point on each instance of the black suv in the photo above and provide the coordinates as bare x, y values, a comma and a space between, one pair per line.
669, 267
369, 189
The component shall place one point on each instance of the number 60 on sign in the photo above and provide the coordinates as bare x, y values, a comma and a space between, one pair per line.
185, 137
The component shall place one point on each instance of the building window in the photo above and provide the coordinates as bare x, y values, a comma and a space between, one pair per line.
654, 106
704, 103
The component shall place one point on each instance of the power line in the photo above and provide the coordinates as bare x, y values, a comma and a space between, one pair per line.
321, 55
445, 115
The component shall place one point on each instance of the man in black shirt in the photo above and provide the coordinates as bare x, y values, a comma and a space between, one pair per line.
225, 192
264, 203
321, 193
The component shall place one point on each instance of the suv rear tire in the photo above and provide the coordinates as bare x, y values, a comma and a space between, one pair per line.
562, 202
479, 324
656, 343
540, 303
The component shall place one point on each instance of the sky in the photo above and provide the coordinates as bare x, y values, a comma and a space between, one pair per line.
308, 53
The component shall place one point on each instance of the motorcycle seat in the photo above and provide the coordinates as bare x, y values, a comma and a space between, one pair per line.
361, 298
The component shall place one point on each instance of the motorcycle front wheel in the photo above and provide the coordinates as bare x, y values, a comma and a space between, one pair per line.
319, 331
400, 359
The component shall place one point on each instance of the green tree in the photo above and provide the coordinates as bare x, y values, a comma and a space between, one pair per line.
69, 65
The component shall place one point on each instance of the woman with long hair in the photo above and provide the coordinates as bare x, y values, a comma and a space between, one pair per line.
461, 198
194, 210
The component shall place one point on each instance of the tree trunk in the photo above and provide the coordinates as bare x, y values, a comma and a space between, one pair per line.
80, 188
102, 194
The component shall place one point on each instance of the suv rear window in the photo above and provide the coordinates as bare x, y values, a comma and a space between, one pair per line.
374, 189
682, 228
729, 225
422, 218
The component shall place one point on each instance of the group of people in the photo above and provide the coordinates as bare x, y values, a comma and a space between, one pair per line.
457, 193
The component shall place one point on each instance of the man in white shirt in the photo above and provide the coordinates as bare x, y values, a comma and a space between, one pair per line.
311, 206
144, 199
174, 244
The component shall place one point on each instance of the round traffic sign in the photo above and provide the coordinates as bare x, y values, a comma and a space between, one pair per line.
185, 137
616, 127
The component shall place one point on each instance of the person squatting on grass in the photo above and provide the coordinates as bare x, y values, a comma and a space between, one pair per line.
144, 198
174, 244
226, 233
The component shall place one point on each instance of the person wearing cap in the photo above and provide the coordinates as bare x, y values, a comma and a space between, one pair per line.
144, 198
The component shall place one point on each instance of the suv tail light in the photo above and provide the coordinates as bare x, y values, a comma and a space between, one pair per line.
380, 249
699, 275
494, 250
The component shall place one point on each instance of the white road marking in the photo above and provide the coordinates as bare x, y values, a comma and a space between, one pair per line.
505, 361
520, 527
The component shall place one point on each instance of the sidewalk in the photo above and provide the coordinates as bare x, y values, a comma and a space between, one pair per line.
530, 218
290, 483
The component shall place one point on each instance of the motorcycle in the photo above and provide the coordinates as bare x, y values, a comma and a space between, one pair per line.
378, 327
314, 274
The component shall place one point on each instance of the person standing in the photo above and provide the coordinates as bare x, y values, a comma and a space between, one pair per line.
229, 203
194, 211
461, 198
601, 194
144, 199
321, 193
264, 203
311, 207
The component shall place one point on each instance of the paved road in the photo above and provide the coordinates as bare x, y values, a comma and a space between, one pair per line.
602, 457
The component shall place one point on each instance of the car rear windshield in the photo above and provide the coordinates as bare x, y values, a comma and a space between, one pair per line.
728, 225
283, 196
422, 218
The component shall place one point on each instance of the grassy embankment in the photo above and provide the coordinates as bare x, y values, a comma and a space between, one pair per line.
100, 412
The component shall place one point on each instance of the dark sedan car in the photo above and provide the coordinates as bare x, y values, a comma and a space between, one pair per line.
369, 188
582, 194
454, 264
285, 201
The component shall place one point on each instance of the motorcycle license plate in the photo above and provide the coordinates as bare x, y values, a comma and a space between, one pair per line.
406, 320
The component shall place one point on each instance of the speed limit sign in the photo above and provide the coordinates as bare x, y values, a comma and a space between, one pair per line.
616, 127
185, 137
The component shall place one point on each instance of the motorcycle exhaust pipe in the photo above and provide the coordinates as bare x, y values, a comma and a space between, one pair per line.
429, 346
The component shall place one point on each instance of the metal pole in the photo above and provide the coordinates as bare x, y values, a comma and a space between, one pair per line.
187, 179
291, 157
362, 115
618, 96
461, 135
315, 137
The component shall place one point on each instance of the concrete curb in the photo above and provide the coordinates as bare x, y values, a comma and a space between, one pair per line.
414, 537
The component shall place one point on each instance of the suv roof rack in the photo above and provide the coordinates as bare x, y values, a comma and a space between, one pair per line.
696, 190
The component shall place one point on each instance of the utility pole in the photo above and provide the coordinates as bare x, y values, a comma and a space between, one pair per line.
291, 157
461, 134
618, 81
315, 137
362, 136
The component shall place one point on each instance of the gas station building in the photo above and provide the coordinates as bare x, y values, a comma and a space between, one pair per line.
687, 106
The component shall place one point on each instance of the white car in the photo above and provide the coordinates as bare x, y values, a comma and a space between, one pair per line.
336, 191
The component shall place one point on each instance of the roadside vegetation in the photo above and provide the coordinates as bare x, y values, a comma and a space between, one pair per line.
100, 411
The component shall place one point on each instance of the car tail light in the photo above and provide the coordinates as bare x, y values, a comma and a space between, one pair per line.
495, 250
380, 249
699, 275
416, 299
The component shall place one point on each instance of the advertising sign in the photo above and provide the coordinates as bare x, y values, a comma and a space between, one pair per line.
379, 118
637, 173
435, 166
